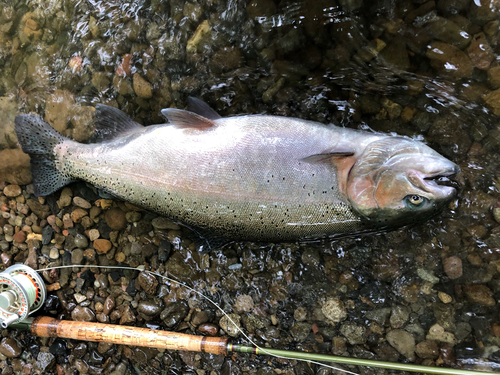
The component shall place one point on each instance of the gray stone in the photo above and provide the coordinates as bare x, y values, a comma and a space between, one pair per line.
354, 333
403, 342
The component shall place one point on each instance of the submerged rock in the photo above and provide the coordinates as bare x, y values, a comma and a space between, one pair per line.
449, 60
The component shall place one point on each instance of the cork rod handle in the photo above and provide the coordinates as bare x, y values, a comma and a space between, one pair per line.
84, 331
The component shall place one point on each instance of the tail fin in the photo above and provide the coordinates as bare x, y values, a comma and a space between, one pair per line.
38, 139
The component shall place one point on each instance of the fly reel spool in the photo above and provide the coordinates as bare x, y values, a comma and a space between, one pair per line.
22, 291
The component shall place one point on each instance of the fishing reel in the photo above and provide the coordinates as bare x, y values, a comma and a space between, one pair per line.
22, 291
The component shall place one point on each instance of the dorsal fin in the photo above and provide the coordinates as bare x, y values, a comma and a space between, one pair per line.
323, 157
186, 119
201, 108
111, 122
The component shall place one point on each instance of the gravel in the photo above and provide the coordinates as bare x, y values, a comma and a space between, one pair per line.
425, 294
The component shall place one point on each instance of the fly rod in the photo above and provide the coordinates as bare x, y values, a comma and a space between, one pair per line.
43, 326
22, 292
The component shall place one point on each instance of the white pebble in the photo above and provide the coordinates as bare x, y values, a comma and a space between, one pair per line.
54, 253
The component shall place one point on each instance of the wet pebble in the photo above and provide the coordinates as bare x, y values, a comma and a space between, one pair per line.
142, 88
65, 197
102, 245
300, 314
334, 310
209, 329
453, 267
20, 236
81, 241
10, 348
163, 223
78, 214
109, 304
12, 191
82, 314
444, 297
427, 349
300, 330
399, 316
231, 324
149, 308
54, 253
403, 342
494, 77
79, 298
479, 294
127, 316
449, 60
200, 317
81, 366
80, 202
115, 218
148, 282
354, 333
311, 257
174, 313
93, 234
437, 332
44, 361
77, 256
244, 303
480, 52
133, 216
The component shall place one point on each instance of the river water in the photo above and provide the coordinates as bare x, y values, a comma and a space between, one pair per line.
425, 294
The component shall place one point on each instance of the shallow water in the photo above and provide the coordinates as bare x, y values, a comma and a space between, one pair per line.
429, 70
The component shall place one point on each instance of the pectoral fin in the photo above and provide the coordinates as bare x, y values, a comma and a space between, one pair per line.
326, 156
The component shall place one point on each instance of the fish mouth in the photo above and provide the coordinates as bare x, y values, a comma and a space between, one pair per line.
443, 181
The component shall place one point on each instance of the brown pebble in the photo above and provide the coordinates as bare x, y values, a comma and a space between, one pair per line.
82, 314
209, 329
115, 218
452, 267
109, 304
10, 348
120, 257
77, 214
479, 294
102, 245
80, 202
12, 191
127, 316
67, 222
147, 282
20, 236
6, 259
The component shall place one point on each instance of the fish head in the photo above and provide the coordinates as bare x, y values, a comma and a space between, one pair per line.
397, 181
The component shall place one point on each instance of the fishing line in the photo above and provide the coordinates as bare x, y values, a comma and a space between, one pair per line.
258, 348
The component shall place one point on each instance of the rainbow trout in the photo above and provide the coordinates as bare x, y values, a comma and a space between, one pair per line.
256, 177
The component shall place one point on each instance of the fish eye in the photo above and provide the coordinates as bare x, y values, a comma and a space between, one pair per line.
414, 200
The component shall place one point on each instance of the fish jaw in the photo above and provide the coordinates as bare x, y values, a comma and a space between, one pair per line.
400, 185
